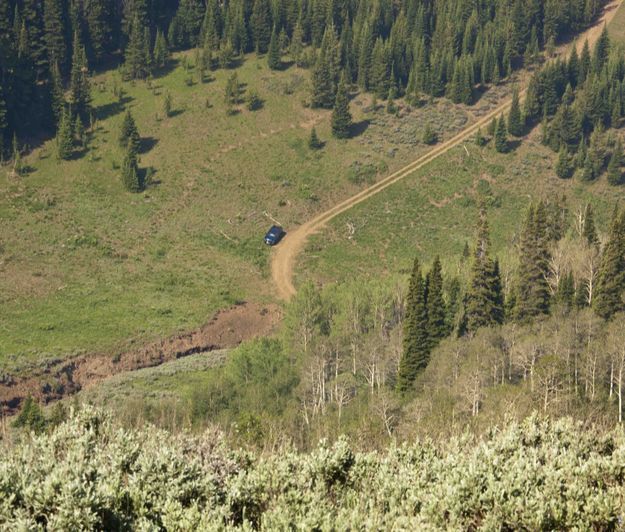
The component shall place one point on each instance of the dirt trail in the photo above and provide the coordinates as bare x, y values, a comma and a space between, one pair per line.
226, 329
285, 255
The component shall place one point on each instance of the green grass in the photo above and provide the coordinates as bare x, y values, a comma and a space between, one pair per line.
617, 26
434, 212
86, 266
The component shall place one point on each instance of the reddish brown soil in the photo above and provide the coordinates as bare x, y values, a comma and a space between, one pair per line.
227, 329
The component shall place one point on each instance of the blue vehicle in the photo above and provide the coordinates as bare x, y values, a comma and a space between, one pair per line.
274, 235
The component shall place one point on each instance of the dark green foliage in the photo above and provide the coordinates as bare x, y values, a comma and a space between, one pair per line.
130, 170
429, 136
492, 127
274, 54
416, 340
589, 231
615, 173
565, 167
136, 55
436, 307
313, 142
341, 115
57, 94
253, 101
167, 104
484, 300
30, 417
65, 138
160, 54
80, 90
325, 72
611, 275
55, 32
501, 136
127, 130
79, 132
261, 25
566, 291
515, 122
533, 290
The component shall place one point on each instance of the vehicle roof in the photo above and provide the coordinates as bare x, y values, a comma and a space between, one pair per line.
275, 229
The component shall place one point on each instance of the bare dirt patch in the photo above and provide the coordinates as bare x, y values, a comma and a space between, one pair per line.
226, 329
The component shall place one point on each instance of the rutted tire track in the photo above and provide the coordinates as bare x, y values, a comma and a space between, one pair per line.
285, 255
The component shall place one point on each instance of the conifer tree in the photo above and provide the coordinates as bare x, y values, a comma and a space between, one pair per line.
324, 74
136, 53
608, 298
16, 156
79, 132
564, 167
167, 104
429, 135
341, 115
602, 50
297, 45
615, 174
261, 25
313, 142
274, 60
80, 90
436, 307
492, 127
484, 301
589, 231
501, 136
130, 170
64, 138
161, 50
55, 32
128, 130
416, 341
57, 94
566, 291
533, 290
515, 122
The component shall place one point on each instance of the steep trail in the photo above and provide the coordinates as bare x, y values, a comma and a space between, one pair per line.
285, 255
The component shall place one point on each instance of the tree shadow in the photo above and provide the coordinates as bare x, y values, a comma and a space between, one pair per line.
170, 66
146, 144
358, 128
146, 175
175, 112
514, 144
111, 109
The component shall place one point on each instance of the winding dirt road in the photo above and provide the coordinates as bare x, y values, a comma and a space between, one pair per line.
285, 255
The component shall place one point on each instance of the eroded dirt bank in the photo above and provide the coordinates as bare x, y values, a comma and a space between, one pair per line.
226, 329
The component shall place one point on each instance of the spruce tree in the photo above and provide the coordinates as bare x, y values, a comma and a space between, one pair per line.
341, 115
274, 60
167, 104
429, 135
601, 50
589, 231
80, 90
564, 167
55, 32
65, 138
79, 132
128, 130
130, 170
533, 290
515, 121
161, 50
501, 136
480, 139
436, 307
57, 94
608, 298
261, 25
416, 340
136, 53
484, 300
313, 142
566, 291
615, 174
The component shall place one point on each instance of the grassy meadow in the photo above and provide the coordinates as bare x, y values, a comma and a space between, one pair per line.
86, 266
435, 212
